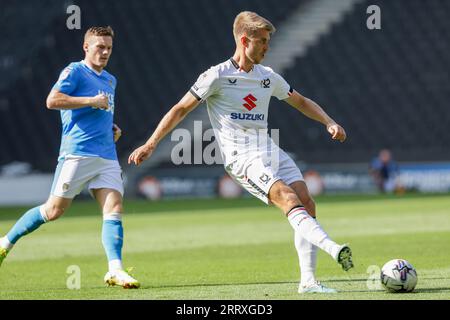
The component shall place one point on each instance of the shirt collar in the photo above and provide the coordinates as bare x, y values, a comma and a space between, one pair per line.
93, 70
236, 65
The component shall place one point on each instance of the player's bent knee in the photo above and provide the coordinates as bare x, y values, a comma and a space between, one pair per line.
113, 208
291, 199
55, 207
53, 212
284, 197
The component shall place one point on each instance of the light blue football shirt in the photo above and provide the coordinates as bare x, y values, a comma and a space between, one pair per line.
87, 131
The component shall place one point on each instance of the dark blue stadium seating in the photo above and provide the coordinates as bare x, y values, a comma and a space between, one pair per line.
389, 88
159, 50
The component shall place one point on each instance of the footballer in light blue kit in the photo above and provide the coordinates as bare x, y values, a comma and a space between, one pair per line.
84, 94
87, 131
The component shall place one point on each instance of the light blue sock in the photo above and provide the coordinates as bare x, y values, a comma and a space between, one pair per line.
29, 222
112, 239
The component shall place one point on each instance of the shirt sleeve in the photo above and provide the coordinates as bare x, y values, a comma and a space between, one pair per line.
67, 81
282, 90
206, 84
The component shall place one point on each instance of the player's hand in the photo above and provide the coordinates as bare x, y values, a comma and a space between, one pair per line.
140, 154
117, 132
100, 101
337, 132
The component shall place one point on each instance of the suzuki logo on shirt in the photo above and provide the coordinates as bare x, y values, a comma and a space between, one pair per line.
250, 99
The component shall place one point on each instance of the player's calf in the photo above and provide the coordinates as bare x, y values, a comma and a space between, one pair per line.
301, 189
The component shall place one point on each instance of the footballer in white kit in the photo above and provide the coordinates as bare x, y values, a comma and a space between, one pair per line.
237, 93
238, 107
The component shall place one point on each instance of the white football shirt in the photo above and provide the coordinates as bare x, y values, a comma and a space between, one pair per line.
238, 103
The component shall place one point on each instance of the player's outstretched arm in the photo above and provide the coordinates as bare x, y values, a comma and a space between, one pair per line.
168, 122
315, 112
59, 101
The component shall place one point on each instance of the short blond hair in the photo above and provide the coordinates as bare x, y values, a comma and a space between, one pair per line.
99, 31
248, 22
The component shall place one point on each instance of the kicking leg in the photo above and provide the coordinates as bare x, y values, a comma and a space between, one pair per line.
344, 256
305, 227
286, 199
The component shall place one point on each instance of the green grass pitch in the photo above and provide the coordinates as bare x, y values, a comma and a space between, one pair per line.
231, 249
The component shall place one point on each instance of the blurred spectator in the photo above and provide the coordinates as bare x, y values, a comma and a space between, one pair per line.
384, 170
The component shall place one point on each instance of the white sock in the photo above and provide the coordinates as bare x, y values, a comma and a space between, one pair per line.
311, 231
5, 244
116, 216
115, 265
307, 256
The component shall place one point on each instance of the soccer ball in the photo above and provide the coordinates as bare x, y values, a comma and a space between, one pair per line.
398, 275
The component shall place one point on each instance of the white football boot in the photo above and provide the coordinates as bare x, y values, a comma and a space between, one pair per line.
315, 287
121, 278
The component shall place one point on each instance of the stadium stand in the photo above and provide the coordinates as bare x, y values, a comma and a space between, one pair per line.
160, 47
389, 88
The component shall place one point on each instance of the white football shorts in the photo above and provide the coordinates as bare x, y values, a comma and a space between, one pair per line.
258, 172
73, 173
